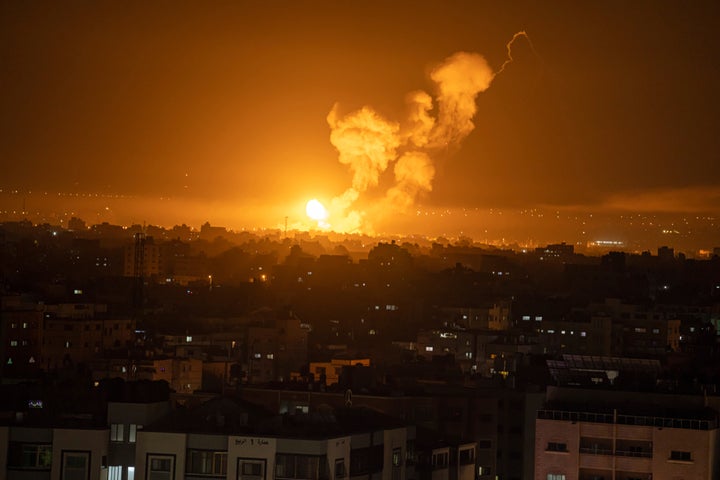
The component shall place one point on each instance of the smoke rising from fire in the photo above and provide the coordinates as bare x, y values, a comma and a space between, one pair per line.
368, 143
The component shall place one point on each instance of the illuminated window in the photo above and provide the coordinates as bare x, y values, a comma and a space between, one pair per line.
117, 432
428, 349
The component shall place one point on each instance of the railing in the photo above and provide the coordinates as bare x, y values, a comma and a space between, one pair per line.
630, 453
618, 453
661, 422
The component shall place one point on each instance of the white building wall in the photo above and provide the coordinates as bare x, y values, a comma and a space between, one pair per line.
172, 445
75, 440
338, 448
259, 448
392, 439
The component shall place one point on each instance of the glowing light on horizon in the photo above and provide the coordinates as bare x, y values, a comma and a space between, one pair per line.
317, 211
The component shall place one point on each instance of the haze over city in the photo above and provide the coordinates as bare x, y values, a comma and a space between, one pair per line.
399, 118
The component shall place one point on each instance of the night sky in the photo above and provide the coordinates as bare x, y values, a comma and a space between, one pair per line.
224, 106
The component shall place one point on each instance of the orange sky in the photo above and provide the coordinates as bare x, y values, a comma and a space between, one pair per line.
224, 105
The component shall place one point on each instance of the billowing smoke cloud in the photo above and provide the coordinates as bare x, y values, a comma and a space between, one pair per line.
369, 144
459, 79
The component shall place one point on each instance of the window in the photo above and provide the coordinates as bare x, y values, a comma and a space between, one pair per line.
115, 472
396, 457
467, 456
131, 473
29, 456
396, 472
484, 470
117, 432
206, 462
160, 467
555, 476
679, 455
75, 465
556, 447
366, 460
340, 470
440, 460
132, 434
299, 466
251, 469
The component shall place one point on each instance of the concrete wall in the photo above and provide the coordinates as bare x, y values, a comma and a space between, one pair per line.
95, 442
159, 443
259, 448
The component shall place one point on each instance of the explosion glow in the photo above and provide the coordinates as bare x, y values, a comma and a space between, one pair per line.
369, 144
316, 210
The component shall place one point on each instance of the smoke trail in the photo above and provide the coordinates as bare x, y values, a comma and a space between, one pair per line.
369, 143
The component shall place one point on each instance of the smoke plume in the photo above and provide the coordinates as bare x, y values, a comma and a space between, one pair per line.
369, 144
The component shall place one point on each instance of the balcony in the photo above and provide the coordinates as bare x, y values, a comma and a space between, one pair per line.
625, 460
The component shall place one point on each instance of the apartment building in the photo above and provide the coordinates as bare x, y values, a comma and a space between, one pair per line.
617, 437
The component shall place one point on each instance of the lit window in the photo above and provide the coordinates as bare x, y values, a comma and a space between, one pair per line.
115, 472
428, 349
555, 476
132, 437
117, 431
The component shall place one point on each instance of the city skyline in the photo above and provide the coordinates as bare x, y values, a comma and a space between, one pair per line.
230, 111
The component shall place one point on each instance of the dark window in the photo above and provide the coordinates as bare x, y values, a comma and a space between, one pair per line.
557, 447
366, 460
306, 467
207, 462
679, 455
340, 468
29, 456
467, 456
